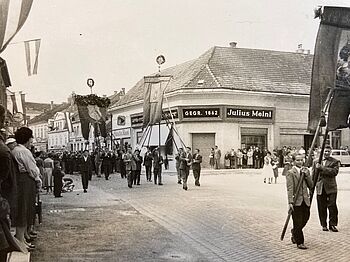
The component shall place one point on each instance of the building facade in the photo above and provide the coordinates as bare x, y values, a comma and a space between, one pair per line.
225, 98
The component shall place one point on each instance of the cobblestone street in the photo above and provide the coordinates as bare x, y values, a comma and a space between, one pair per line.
232, 216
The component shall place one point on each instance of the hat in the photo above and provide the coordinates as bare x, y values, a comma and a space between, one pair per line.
10, 140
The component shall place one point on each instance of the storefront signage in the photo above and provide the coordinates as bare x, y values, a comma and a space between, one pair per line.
121, 133
251, 113
201, 112
138, 120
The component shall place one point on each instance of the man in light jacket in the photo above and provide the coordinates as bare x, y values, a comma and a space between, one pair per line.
299, 204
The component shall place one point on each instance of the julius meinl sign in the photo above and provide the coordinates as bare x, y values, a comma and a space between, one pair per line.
251, 113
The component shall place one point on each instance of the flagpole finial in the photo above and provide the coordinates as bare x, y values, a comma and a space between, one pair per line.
160, 60
90, 82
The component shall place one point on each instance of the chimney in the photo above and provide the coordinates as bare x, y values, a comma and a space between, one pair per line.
51, 105
300, 49
123, 91
233, 44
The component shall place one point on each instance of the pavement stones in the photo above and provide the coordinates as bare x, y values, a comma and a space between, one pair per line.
232, 216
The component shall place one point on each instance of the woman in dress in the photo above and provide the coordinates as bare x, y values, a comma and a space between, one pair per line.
250, 158
267, 170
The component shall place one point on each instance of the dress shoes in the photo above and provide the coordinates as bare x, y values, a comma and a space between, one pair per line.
197, 184
185, 188
324, 228
179, 182
160, 184
333, 229
301, 246
85, 191
293, 240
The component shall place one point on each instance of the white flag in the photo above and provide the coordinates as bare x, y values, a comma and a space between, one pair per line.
32, 48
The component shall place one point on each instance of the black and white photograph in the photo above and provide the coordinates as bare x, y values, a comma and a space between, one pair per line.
174, 130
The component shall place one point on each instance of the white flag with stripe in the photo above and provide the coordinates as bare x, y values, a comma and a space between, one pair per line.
68, 121
13, 14
32, 48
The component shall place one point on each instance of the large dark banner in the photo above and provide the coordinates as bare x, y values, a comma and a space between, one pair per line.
154, 88
331, 69
92, 110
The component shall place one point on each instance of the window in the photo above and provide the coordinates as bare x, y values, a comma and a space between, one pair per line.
344, 153
336, 153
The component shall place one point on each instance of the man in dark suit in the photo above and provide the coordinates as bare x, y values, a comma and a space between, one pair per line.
301, 206
157, 167
177, 165
148, 165
185, 164
196, 166
326, 188
85, 169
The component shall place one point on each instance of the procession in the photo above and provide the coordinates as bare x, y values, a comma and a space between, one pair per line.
127, 148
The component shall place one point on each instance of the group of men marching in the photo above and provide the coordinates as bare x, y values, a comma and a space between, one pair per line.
323, 178
184, 161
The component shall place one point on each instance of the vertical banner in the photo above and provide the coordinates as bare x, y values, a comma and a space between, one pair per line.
32, 48
331, 69
154, 88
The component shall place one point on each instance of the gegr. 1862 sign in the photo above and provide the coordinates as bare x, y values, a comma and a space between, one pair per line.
201, 112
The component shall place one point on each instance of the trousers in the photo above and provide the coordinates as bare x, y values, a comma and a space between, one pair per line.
300, 216
327, 201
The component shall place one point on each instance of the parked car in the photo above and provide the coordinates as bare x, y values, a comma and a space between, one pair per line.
341, 155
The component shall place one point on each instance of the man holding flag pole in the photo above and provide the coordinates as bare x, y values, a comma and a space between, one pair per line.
330, 89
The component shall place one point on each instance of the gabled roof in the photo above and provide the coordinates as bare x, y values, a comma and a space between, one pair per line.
238, 69
38, 106
44, 117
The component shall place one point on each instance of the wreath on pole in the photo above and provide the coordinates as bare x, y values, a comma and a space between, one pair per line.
92, 110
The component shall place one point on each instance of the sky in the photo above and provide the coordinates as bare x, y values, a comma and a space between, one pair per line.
116, 42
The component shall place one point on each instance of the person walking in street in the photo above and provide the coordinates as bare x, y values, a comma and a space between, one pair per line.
106, 164
157, 167
57, 179
85, 169
177, 165
267, 170
186, 162
127, 158
136, 164
326, 188
217, 156
48, 168
148, 165
301, 207
196, 166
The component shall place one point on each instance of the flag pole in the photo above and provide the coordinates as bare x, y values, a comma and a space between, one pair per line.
325, 109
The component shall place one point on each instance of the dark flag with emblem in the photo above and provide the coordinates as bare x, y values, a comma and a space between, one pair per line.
92, 109
331, 68
169, 142
154, 87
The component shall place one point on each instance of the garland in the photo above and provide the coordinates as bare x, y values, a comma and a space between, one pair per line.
92, 100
